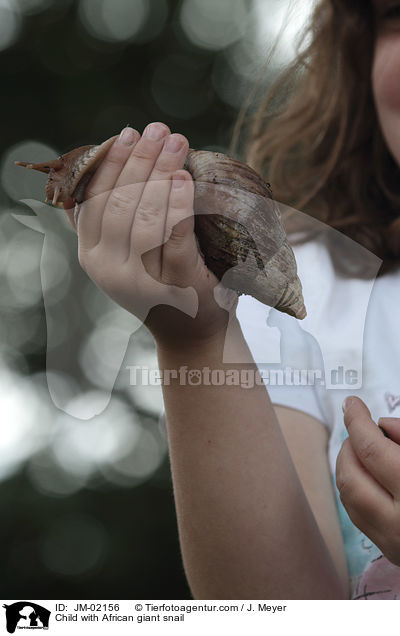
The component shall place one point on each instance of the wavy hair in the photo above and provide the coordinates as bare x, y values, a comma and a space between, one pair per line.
316, 135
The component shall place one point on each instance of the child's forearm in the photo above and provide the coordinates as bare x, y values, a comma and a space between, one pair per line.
246, 529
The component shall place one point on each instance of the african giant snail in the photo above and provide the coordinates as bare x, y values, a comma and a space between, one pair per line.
237, 223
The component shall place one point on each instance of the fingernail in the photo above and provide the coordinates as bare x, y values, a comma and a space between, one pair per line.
127, 136
391, 420
346, 404
155, 131
178, 181
173, 144
383, 431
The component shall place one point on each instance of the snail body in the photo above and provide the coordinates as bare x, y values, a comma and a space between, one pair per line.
237, 223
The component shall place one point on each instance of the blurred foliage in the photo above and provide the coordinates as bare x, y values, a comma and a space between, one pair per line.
79, 523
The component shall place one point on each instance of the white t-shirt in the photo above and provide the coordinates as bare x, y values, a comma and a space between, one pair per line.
347, 345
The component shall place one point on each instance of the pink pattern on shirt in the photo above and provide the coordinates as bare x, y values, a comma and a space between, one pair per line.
379, 581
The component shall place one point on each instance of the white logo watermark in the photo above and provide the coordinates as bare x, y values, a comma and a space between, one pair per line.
245, 378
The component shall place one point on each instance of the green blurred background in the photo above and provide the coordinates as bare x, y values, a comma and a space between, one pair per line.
87, 509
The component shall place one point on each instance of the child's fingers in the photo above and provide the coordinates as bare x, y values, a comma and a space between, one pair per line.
171, 157
179, 252
377, 454
107, 173
180, 207
123, 200
140, 163
148, 225
359, 492
89, 218
105, 177
101, 188
391, 426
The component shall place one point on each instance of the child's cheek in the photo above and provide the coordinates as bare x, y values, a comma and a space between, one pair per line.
386, 89
386, 71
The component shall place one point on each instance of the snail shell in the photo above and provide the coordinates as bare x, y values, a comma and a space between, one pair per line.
237, 223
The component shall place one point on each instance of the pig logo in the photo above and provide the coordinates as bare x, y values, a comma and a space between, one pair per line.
26, 615
273, 329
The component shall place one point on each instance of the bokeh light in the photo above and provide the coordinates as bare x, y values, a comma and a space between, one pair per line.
49, 477
30, 7
21, 271
21, 405
105, 346
22, 183
145, 396
80, 447
269, 34
140, 463
214, 25
287, 18
114, 20
155, 22
19, 258
10, 23
74, 544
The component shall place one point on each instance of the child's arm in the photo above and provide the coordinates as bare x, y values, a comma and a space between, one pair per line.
307, 440
245, 526
246, 529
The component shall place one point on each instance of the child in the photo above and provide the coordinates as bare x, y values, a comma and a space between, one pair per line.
334, 151
256, 508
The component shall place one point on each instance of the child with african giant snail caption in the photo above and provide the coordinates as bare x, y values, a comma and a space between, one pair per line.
255, 501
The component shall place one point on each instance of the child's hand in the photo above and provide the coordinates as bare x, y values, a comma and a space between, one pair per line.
368, 477
137, 242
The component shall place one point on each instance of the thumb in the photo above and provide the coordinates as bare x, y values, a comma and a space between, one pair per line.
354, 406
356, 415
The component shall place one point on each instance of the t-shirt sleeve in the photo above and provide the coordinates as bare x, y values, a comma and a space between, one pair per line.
288, 351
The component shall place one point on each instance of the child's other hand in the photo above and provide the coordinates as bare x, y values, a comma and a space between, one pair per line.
368, 477
137, 243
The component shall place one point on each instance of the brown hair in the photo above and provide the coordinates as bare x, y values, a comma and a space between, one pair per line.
316, 136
